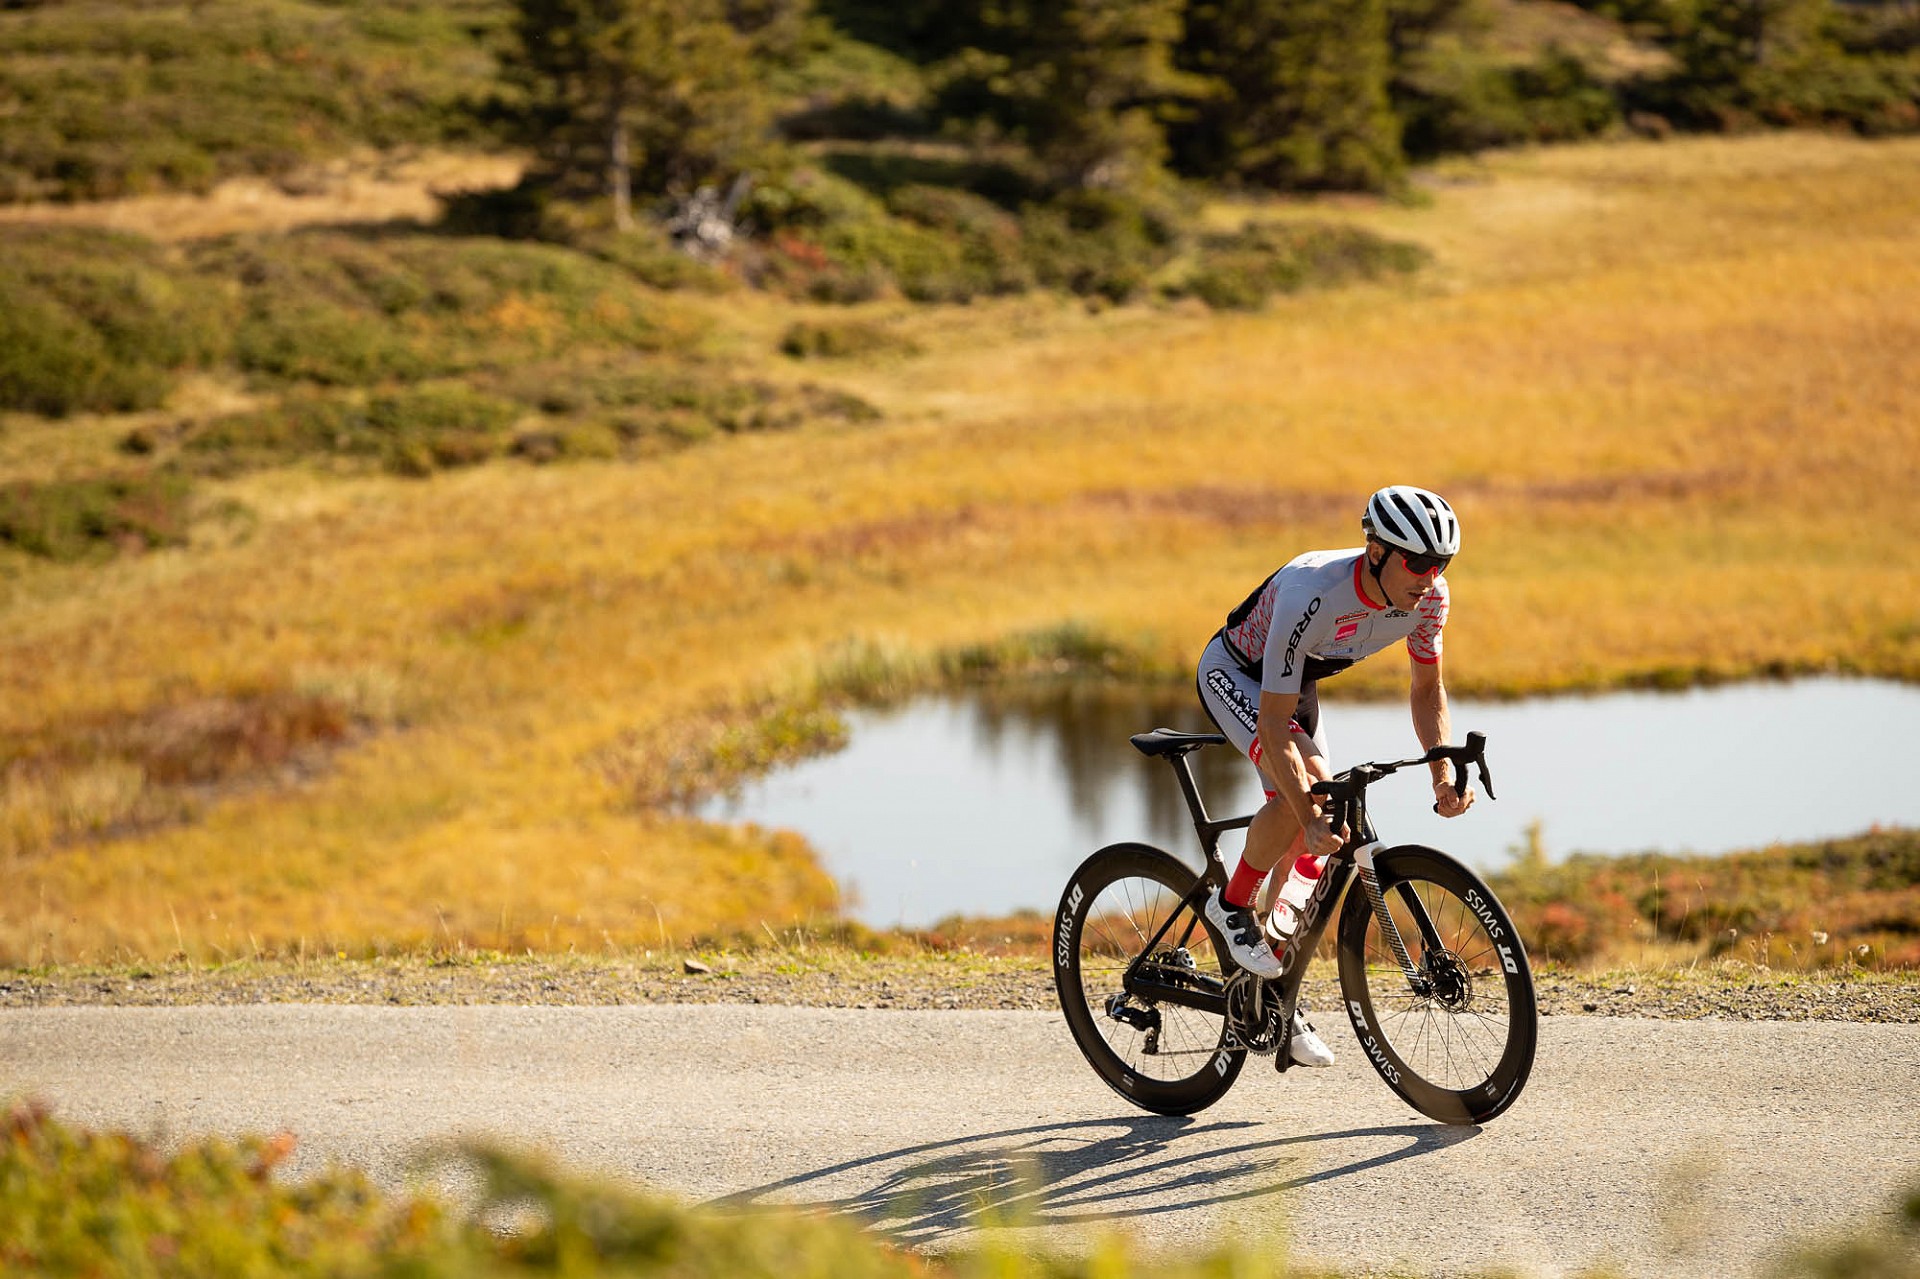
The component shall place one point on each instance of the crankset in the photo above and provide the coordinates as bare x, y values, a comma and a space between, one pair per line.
1253, 1013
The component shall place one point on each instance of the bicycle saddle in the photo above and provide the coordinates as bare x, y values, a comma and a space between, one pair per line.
1166, 741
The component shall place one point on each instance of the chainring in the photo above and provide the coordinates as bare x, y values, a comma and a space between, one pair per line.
1259, 1034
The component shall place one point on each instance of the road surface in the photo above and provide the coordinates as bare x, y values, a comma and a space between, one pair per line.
1663, 1147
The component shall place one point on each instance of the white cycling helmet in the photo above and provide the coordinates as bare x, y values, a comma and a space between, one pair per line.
1413, 520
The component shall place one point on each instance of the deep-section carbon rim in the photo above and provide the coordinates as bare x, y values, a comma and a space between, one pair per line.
1159, 1055
1457, 1041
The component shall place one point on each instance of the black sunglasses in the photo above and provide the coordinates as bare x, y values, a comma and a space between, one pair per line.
1421, 565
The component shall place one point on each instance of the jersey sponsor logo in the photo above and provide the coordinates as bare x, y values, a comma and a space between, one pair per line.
1361, 616
1222, 686
1299, 629
1347, 631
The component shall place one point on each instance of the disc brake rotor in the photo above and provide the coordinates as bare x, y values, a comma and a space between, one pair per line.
1452, 983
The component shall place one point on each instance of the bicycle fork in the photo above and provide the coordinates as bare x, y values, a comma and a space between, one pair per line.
1389, 932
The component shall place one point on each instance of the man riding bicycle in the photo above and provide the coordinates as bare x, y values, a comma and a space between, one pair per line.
1258, 680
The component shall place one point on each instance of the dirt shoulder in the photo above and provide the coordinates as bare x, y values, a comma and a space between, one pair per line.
1730, 991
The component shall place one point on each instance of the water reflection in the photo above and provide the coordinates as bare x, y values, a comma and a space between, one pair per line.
1087, 725
983, 803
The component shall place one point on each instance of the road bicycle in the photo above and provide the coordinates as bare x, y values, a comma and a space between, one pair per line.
1432, 973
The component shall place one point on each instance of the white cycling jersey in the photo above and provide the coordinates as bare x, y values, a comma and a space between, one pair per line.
1311, 619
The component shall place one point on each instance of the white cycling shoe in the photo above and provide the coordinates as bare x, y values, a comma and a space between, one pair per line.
1307, 1048
1246, 941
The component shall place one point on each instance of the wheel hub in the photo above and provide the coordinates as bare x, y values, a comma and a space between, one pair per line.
1452, 983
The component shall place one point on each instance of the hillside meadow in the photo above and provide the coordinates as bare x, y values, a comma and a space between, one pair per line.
1669, 386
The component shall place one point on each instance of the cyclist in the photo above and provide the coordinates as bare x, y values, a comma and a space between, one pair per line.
1258, 679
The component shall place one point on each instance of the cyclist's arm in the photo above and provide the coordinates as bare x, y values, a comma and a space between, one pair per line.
1280, 756
1434, 727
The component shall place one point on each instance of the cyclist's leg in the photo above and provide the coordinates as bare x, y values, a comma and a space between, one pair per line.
1274, 839
1231, 698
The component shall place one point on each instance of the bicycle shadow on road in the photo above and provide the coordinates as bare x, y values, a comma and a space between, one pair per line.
1087, 1171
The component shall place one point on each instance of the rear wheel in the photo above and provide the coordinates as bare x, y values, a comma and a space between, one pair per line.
1457, 1039
1159, 1055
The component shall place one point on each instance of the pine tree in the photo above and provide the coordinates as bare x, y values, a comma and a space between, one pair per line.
1299, 95
626, 96
1086, 79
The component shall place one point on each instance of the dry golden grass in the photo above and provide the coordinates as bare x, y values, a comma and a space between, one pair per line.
357, 188
1670, 388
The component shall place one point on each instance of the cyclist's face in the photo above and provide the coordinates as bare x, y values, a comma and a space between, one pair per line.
1404, 588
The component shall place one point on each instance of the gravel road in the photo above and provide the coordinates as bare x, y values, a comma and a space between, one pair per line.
1665, 1147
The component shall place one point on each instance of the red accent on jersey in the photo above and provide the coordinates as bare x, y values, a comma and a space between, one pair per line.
1423, 644
1359, 587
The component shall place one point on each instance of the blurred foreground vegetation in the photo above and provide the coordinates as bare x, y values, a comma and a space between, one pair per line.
79, 1203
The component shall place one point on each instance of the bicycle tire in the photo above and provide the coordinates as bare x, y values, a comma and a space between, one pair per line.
1462, 1054
1089, 959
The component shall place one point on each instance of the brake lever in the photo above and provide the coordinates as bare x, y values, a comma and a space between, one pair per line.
1477, 749
1475, 753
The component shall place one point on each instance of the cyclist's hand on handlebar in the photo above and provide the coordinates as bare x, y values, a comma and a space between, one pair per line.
1323, 840
1451, 803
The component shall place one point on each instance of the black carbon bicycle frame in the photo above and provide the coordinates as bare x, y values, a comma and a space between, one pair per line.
1347, 807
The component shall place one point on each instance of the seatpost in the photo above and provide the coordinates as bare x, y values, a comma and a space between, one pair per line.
1208, 830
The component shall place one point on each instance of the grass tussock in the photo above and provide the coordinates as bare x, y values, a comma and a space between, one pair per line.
1241, 270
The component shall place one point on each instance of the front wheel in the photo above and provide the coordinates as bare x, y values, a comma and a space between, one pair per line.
1159, 1053
1455, 1039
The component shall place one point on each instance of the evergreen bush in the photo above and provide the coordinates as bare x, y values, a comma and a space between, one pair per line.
100, 320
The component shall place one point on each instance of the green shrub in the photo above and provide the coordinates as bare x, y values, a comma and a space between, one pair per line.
1098, 243
1792, 63
1241, 270
99, 320
112, 100
623, 410
75, 519
991, 253
412, 431
632, 390
676, 411
829, 239
840, 339
532, 211
1457, 99
346, 310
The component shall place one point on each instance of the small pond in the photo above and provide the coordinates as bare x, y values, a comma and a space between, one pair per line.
982, 802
